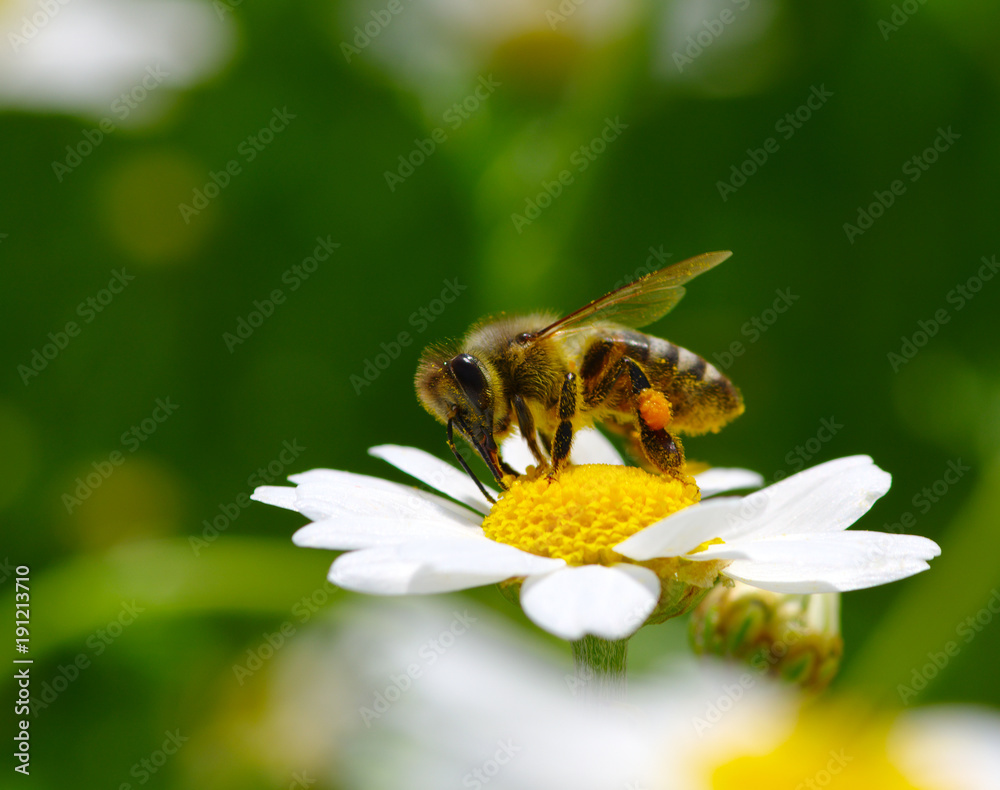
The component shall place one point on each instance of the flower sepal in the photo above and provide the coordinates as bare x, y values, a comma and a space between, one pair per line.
677, 598
511, 590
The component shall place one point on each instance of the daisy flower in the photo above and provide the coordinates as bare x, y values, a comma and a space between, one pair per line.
604, 548
490, 712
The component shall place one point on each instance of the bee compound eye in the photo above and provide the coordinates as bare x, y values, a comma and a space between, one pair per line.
470, 378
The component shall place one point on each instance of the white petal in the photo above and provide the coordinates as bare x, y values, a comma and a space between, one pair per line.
948, 746
328, 492
346, 478
436, 473
279, 496
340, 533
590, 446
826, 562
406, 502
514, 450
431, 566
827, 498
718, 480
610, 603
683, 531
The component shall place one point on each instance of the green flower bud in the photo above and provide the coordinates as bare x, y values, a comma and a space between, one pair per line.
792, 637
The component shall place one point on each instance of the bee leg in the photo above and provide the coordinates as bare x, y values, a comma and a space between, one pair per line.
546, 441
636, 453
563, 439
527, 425
652, 412
661, 450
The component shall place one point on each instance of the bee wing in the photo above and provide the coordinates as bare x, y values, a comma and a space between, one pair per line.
641, 302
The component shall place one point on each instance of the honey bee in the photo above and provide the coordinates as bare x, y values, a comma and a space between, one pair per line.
552, 377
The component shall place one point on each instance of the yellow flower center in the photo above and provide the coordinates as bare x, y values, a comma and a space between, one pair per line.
586, 511
827, 748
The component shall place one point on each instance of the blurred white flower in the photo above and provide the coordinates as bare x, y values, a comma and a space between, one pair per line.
593, 548
84, 55
495, 712
438, 47
722, 48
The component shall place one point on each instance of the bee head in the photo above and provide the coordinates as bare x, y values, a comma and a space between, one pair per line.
459, 390
457, 387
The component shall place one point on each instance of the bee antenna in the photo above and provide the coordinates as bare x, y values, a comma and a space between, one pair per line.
465, 466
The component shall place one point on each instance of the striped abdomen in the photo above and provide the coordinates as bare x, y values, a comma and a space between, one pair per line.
702, 398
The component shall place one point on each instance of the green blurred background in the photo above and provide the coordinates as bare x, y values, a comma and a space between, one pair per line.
693, 89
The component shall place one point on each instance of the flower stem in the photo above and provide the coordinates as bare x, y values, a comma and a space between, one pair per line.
600, 668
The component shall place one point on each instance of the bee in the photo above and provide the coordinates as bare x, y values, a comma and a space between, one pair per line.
550, 377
